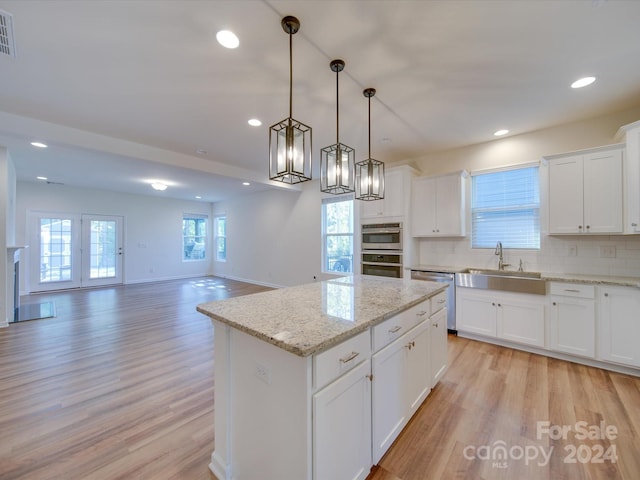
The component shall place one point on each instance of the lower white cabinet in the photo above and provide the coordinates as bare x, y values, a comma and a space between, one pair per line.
342, 427
572, 319
619, 325
401, 382
439, 351
516, 317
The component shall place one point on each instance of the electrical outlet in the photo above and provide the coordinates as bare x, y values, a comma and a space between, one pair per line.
573, 250
263, 373
607, 252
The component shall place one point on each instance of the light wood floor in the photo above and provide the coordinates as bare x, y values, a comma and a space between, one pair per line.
120, 385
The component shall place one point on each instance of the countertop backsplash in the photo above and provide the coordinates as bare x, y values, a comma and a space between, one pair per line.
571, 255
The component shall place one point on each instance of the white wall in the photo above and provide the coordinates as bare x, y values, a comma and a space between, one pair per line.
273, 237
152, 227
553, 255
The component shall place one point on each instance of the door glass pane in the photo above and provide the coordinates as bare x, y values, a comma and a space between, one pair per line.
102, 256
55, 249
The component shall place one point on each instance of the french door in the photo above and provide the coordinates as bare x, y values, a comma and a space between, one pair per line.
72, 251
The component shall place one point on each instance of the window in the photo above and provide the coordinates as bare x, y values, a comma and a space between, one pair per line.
505, 207
220, 238
194, 236
337, 233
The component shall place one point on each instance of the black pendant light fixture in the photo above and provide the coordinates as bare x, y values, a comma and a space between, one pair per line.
369, 172
337, 162
289, 139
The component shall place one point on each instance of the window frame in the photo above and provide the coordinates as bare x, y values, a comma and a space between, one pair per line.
327, 201
203, 236
514, 208
216, 237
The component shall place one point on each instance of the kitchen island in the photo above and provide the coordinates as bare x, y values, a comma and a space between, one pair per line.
308, 378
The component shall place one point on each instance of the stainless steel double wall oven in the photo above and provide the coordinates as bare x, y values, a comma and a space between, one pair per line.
381, 245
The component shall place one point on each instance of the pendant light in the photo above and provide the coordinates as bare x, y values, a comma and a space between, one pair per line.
289, 139
369, 172
337, 162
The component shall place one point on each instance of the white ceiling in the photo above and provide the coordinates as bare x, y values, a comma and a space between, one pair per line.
127, 91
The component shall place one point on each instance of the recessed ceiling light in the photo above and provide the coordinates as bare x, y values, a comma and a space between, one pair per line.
254, 122
39, 144
42, 178
246, 184
158, 186
227, 39
499, 133
198, 197
583, 82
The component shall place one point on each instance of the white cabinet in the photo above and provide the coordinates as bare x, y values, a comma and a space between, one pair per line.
397, 183
342, 427
631, 135
619, 325
401, 382
439, 351
572, 319
585, 192
510, 316
437, 206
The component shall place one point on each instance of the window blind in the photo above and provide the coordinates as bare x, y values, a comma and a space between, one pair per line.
505, 207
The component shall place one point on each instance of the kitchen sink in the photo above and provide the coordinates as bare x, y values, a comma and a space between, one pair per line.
505, 280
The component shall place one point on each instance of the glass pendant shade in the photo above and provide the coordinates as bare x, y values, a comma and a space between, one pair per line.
370, 180
369, 172
337, 161
289, 139
337, 169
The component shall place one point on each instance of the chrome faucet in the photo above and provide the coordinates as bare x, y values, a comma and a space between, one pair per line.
501, 264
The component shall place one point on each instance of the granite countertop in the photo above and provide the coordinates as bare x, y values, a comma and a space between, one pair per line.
311, 318
593, 279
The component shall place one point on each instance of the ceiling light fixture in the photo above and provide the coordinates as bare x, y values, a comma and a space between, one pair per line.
227, 39
254, 122
42, 178
246, 184
39, 144
583, 82
337, 162
369, 172
158, 186
289, 139
500, 133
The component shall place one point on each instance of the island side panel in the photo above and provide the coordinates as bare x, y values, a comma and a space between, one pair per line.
269, 411
220, 464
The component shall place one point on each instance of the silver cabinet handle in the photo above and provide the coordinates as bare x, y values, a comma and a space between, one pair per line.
395, 329
410, 345
435, 324
349, 357
441, 302
572, 290
421, 313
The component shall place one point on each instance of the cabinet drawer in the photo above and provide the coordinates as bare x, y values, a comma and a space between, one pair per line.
393, 328
439, 301
332, 363
572, 290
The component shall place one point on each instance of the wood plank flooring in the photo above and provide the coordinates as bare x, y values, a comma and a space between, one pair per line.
120, 386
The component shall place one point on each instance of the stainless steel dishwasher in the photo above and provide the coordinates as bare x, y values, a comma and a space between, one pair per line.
444, 277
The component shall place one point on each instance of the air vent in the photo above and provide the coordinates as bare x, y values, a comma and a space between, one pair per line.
7, 43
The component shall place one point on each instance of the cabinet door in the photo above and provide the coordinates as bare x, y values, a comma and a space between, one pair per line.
603, 192
449, 207
566, 195
388, 395
439, 351
342, 427
572, 326
475, 312
619, 325
418, 366
423, 207
521, 320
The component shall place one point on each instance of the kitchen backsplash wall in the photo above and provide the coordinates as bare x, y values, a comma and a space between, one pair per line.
580, 255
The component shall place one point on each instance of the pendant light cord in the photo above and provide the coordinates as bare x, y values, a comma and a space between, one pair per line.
290, 74
369, 127
337, 110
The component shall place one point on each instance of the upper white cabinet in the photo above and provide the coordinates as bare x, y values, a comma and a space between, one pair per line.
631, 135
397, 184
437, 206
586, 191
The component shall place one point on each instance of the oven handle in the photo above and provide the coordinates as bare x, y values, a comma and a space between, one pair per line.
383, 264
